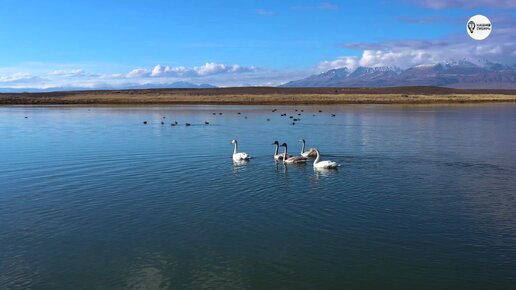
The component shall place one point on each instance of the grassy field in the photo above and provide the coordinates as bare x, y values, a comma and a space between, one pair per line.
264, 95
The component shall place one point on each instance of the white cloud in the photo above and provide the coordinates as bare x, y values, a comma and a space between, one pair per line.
350, 62
216, 68
380, 58
207, 69
138, 73
164, 71
72, 73
18, 78
402, 58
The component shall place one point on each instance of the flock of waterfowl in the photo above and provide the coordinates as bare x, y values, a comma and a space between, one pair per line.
283, 157
290, 159
291, 117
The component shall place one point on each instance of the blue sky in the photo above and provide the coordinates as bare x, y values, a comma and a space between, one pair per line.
97, 43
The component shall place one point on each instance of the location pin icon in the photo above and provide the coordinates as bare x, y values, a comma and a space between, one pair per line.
471, 26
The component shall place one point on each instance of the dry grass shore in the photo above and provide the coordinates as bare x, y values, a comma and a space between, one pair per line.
263, 96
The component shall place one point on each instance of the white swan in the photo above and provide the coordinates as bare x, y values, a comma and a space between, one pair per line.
277, 156
309, 153
324, 164
291, 159
239, 156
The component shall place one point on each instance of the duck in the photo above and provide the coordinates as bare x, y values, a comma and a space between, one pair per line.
292, 159
309, 153
324, 164
239, 156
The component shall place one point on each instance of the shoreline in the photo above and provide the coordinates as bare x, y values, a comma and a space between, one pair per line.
263, 96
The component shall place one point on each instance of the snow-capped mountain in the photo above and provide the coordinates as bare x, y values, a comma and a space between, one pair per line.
460, 74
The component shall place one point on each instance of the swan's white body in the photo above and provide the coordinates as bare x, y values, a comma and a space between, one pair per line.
309, 153
239, 156
277, 156
324, 164
292, 159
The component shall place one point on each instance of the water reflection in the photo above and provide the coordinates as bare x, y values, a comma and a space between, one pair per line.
240, 163
325, 172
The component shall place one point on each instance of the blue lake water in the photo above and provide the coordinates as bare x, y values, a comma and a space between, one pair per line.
91, 198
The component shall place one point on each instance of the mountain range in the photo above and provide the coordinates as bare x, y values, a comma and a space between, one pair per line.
460, 74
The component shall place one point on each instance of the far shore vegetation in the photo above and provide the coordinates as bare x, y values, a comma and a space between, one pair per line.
263, 96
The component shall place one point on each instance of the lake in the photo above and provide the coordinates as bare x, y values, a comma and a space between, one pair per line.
92, 198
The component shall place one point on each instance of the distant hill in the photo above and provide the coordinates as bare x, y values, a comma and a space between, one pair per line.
461, 74
175, 85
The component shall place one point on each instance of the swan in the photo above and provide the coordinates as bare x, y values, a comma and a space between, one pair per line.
239, 156
291, 159
324, 164
278, 156
309, 153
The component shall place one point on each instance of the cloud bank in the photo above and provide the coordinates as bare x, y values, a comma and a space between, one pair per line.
207, 69
72, 73
218, 74
499, 47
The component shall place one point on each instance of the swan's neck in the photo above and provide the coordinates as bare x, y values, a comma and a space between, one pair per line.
285, 154
317, 158
236, 149
303, 148
276, 150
